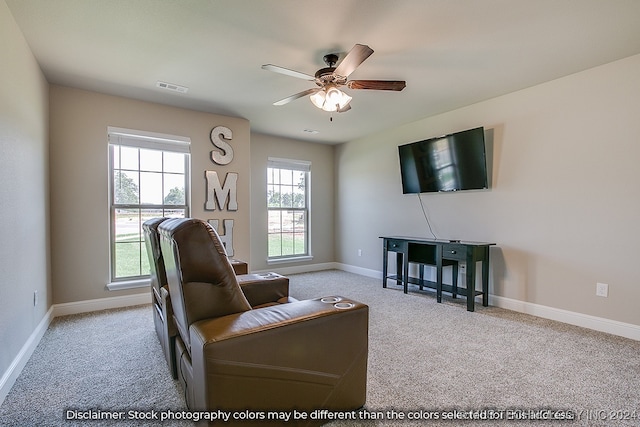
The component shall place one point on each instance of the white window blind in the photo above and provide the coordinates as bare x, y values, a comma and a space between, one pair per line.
148, 140
299, 165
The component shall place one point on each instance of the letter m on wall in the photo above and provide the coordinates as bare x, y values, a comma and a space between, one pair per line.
221, 193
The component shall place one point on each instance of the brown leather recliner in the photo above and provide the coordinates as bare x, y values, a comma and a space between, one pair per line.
260, 290
160, 300
303, 355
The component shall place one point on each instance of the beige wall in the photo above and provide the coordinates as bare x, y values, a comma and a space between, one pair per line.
79, 172
322, 198
565, 197
24, 190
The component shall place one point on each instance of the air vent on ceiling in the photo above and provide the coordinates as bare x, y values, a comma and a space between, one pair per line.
172, 87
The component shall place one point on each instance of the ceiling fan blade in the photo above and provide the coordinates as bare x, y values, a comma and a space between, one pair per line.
296, 96
396, 85
286, 71
354, 58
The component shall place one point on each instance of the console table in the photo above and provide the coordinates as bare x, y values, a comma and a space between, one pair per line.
433, 252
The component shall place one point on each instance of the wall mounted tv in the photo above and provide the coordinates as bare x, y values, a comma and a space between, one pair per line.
452, 162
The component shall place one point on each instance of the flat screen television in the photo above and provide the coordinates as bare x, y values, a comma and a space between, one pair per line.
452, 162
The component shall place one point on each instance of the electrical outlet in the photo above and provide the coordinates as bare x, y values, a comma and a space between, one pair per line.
35, 298
359, 252
602, 290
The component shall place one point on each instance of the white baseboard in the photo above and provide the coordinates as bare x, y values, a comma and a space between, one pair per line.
360, 270
626, 330
77, 307
613, 327
296, 269
56, 310
609, 326
21, 359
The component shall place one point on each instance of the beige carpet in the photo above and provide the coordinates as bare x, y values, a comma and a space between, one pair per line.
426, 360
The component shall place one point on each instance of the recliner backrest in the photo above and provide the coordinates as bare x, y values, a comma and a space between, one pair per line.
201, 280
156, 262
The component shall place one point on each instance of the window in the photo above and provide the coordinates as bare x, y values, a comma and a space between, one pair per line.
288, 208
149, 178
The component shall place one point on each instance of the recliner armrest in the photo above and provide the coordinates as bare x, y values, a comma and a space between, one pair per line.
262, 289
167, 312
311, 352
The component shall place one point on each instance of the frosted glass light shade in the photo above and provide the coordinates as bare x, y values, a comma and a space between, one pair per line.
318, 98
330, 99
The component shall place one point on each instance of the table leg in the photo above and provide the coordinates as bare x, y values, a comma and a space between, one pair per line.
454, 280
439, 273
485, 277
405, 272
471, 283
385, 259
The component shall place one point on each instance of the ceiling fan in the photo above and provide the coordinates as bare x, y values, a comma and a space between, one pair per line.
327, 95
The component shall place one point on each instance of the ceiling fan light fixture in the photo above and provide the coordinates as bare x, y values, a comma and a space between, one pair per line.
334, 96
318, 98
346, 99
330, 99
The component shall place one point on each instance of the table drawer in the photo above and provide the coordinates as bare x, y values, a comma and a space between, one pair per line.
394, 245
457, 252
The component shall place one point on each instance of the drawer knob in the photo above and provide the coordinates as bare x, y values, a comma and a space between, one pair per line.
453, 252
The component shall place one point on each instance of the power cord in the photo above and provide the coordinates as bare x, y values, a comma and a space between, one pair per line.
426, 216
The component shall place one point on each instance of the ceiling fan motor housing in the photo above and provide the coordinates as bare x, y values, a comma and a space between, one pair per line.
326, 75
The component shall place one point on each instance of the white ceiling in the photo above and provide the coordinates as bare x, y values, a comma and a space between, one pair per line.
451, 53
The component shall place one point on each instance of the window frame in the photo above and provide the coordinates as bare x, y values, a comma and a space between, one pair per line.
292, 165
141, 140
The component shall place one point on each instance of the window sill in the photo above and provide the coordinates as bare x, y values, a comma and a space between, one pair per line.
128, 284
290, 259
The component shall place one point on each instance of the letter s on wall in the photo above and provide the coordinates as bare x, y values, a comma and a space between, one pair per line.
219, 137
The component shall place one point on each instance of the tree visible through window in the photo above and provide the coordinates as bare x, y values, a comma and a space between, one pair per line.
287, 204
149, 179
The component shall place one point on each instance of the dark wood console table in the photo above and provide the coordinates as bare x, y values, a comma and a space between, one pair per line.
433, 252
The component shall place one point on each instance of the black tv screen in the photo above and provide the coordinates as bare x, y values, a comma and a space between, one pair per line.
452, 162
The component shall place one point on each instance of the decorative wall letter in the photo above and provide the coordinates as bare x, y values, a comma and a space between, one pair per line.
223, 195
216, 192
227, 237
217, 135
